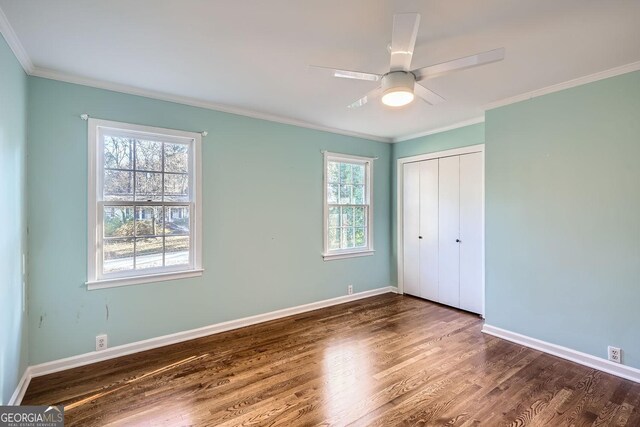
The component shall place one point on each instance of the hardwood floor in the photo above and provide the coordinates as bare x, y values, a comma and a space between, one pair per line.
383, 361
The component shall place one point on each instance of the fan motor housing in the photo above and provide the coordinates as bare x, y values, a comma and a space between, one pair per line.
398, 81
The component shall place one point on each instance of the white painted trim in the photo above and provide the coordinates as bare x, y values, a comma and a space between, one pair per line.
624, 69
14, 43
163, 96
146, 278
344, 255
21, 388
123, 350
579, 357
456, 125
478, 148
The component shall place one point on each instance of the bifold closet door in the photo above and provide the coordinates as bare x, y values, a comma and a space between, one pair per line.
471, 233
449, 231
429, 229
411, 228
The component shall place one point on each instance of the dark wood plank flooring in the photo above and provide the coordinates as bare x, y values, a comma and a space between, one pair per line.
383, 361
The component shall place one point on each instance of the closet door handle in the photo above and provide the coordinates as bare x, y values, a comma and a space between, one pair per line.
419, 237
458, 241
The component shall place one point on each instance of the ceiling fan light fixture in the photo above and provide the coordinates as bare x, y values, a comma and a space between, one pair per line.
397, 88
397, 98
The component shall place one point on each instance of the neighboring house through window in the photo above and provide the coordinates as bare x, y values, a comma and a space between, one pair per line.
144, 204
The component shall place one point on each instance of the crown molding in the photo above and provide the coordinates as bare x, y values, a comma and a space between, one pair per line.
117, 87
601, 75
469, 122
23, 58
14, 43
26, 63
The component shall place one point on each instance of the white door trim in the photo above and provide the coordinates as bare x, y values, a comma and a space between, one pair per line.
479, 148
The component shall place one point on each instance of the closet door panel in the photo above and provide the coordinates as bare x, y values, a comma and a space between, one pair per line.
411, 228
449, 231
471, 234
429, 229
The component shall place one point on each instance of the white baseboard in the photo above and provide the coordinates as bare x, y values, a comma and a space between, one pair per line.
585, 359
135, 347
21, 388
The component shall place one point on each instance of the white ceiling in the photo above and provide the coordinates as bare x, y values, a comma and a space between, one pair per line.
253, 54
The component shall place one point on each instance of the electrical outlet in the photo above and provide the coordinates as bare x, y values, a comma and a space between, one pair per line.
101, 342
350, 290
615, 354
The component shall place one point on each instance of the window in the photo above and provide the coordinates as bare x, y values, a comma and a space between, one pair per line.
144, 204
347, 206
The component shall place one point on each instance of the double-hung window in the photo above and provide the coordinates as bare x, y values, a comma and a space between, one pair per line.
348, 210
144, 209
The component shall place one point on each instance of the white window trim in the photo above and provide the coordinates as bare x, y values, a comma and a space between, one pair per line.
356, 252
94, 216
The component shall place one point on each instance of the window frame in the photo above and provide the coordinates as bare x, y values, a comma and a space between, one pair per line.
332, 254
95, 211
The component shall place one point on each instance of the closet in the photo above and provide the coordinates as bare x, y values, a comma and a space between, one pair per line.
443, 230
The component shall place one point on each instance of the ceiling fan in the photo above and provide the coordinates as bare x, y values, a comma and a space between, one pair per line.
398, 86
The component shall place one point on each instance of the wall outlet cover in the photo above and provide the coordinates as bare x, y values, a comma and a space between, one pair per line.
615, 354
101, 342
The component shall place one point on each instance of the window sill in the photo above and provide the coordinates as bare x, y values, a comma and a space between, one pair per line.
138, 280
343, 255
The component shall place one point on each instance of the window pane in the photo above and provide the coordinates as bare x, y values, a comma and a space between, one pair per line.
334, 238
360, 237
118, 185
347, 216
176, 187
176, 157
345, 173
148, 155
333, 172
117, 255
148, 220
347, 238
332, 193
359, 217
334, 217
118, 153
358, 194
176, 250
358, 174
345, 194
118, 221
149, 252
176, 220
148, 186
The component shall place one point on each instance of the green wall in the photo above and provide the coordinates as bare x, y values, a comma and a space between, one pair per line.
563, 217
13, 141
262, 221
562, 208
455, 138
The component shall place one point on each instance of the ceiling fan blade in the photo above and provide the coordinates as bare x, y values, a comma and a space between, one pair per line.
459, 64
368, 97
429, 96
403, 40
347, 74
